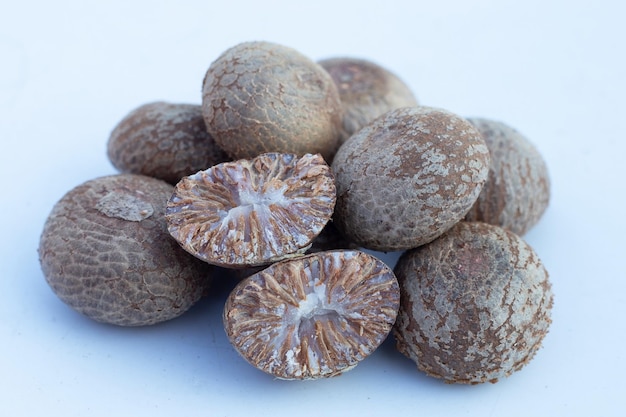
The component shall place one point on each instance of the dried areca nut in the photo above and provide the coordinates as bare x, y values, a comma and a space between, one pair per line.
366, 90
475, 304
260, 97
163, 140
517, 191
314, 316
252, 212
105, 252
407, 177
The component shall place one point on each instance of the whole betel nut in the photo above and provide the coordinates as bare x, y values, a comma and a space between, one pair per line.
367, 90
105, 251
475, 304
252, 212
163, 140
517, 191
313, 316
260, 97
407, 177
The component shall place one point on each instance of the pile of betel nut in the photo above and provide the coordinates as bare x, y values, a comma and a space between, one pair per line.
295, 176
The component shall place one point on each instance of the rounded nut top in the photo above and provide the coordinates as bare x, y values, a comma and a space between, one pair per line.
313, 316
252, 212
260, 97
517, 191
475, 305
407, 177
163, 140
366, 90
105, 251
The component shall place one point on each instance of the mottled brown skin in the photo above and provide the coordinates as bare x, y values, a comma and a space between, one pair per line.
366, 90
260, 97
314, 316
105, 251
517, 192
475, 304
163, 140
407, 177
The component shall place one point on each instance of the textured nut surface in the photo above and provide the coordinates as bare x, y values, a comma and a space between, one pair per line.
475, 304
517, 191
165, 141
105, 251
366, 90
260, 97
313, 316
408, 177
252, 212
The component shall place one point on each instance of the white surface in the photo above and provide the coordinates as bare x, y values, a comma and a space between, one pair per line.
70, 70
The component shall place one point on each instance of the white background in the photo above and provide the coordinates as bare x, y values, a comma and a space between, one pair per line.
70, 70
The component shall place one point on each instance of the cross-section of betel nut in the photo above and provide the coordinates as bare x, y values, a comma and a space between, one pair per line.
252, 212
314, 316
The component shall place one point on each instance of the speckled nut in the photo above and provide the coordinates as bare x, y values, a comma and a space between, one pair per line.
106, 252
366, 90
408, 177
517, 191
475, 304
260, 97
252, 212
314, 316
163, 140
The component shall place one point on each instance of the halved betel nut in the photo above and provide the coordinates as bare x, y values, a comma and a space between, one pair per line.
252, 212
314, 316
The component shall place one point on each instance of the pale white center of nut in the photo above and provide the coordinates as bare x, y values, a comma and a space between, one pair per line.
313, 308
255, 198
258, 201
314, 304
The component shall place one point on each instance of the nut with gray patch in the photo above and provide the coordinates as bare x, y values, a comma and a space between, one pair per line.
517, 192
260, 97
367, 90
475, 304
105, 251
163, 140
314, 316
407, 177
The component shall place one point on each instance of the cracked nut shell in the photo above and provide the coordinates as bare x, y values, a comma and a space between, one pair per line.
314, 316
105, 251
475, 304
